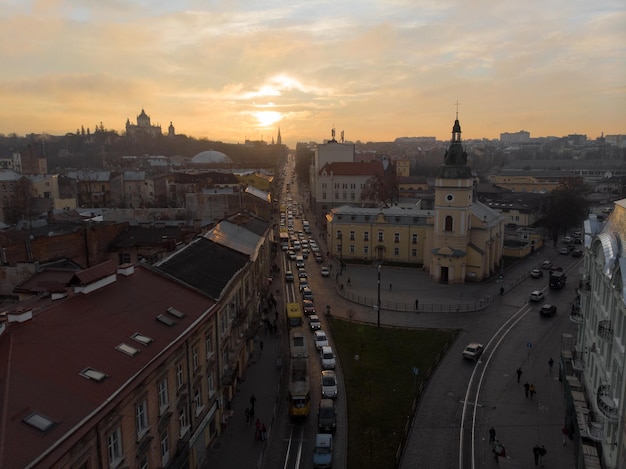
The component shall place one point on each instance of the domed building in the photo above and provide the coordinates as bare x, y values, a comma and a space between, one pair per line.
211, 157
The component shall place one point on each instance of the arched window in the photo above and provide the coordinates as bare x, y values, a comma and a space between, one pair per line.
448, 223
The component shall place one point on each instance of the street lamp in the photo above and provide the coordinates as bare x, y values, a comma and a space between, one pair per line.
340, 252
378, 308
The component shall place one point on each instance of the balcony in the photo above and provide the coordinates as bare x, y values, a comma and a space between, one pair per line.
576, 317
605, 330
606, 404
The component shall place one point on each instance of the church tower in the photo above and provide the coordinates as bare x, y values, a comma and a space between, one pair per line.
453, 212
279, 140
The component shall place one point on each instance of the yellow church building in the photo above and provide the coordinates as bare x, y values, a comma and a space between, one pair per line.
459, 240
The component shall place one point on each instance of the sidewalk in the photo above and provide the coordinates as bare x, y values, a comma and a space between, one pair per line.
237, 447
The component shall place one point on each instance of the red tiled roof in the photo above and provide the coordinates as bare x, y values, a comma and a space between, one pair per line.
366, 168
96, 272
41, 360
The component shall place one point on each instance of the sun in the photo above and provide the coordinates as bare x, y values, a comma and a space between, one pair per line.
267, 118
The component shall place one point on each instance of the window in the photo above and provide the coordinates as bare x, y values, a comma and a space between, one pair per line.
39, 421
366, 249
352, 236
194, 357
142, 339
413, 252
414, 238
210, 384
344, 186
396, 251
336, 195
352, 196
323, 195
380, 237
336, 185
448, 226
338, 234
141, 416
345, 196
183, 420
114, 444
197, 400
209, 345
323, 185
366, 236
396, 237
180, 375
165, 447
164, 398
352, 249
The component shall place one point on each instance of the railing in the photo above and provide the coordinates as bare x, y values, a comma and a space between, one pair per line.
605, 329
605, 403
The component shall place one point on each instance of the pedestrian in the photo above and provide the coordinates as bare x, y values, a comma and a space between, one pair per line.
550, 363
263, 432
501, 291
417, 304
526, 389
252, 402
536, 454
349, 283
498, 449
251, 414
257, 429
542, 453
492, 435
565, 432
519, 374
390, 287
261, 345
247, 412
531, 389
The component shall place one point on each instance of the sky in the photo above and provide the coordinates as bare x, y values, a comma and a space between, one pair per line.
232, 70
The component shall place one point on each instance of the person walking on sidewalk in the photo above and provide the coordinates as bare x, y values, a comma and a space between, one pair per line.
417, 305
492, 435
263, 432
536, 451
247, 413
531, 389
519, 374
252, 401
257, 429
542, 453
550, 364
565, 432
526, 389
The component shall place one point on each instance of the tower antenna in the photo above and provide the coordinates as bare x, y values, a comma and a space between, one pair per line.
457, 109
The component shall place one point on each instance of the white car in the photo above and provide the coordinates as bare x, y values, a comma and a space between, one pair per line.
329, 384
328, 358
537, 295
320, 339
314, 322
473, 351
325, 272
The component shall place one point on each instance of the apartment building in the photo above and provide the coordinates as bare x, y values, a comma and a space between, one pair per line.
594, 368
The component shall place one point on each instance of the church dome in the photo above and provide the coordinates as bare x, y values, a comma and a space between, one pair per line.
211, 157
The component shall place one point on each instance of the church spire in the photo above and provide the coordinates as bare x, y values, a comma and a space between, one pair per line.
279, 140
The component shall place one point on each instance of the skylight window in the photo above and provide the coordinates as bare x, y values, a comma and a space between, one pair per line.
127, 349
174, 312
39, 421
142, 339
165, 320
91, 373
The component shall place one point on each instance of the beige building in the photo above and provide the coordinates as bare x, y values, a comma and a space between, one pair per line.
518, 180
460, 240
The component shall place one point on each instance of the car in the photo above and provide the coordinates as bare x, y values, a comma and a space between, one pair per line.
577, 253
302, 273
318, 258
536, 273
329, 384
547, 310
307, 294
325, 272
289, 276
299, 262
308, 307
537, 295
564, 251
305, 253
296, 245
546, 264
314, 322
321, 339
567, 239
303, 284
292, 254
323, 451
327, 358
326, 416
473, 351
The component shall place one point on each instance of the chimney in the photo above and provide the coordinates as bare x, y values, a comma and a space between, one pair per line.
126, 270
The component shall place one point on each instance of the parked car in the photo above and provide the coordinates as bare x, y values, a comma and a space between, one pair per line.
536, 273
325, 272
320, 339
547, 310
564, 251
473, 351
327, 357
314, 322
329, 384
327, 416
323, 451
308, 306
537, 295
577, 253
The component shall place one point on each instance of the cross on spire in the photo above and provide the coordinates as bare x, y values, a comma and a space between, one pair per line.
457, 104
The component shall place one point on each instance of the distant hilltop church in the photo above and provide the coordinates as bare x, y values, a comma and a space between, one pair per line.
144, 129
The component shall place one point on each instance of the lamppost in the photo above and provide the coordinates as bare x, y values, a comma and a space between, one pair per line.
340, 234
378, 307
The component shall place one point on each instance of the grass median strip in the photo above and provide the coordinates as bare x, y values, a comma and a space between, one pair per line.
378, 367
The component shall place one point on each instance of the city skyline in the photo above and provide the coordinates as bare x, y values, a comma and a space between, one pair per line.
374, 70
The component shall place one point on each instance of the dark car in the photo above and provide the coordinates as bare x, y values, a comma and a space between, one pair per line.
577, 253
547, 310
326, 416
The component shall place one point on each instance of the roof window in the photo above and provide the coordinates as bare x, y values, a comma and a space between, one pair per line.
127, 349
142, 339
91, 373
174, 312
39, 421
165, 320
